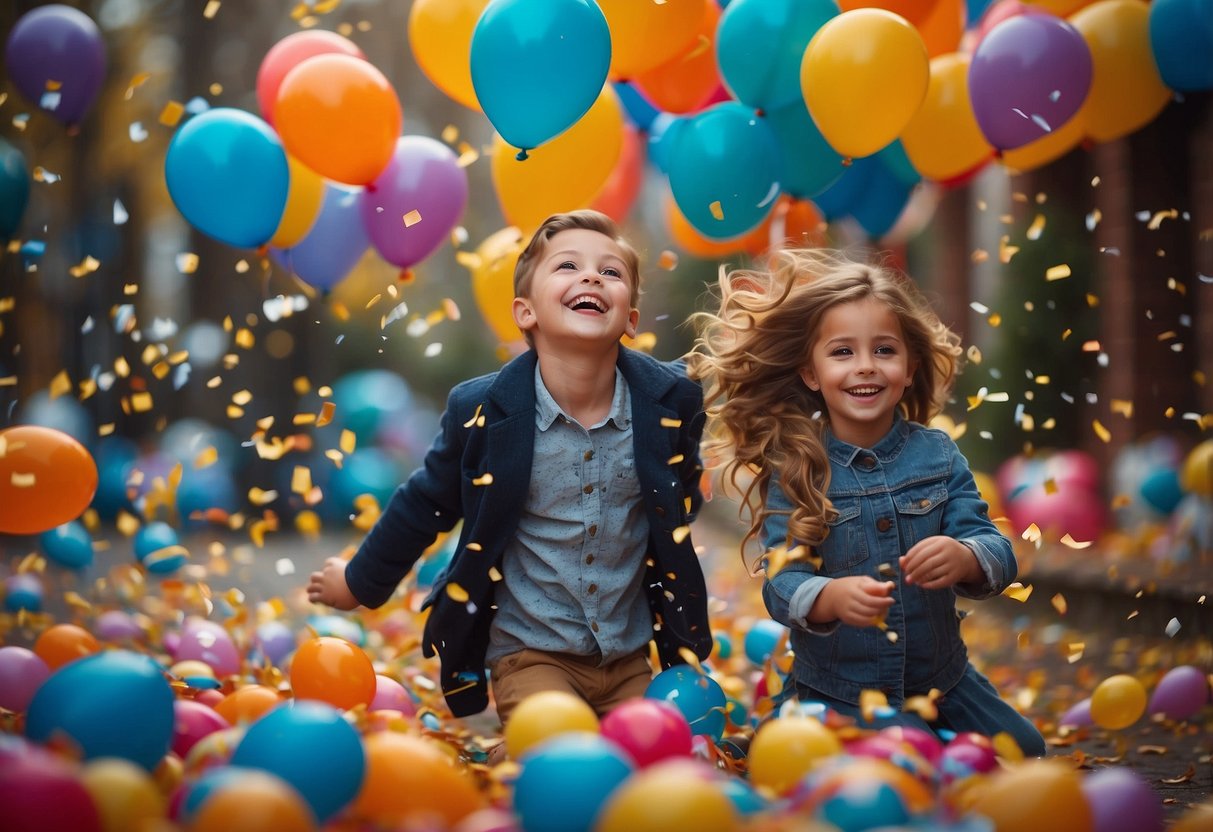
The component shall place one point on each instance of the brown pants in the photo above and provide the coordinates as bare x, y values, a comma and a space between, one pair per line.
518, 675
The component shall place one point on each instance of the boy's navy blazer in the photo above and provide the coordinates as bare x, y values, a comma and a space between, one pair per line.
478, 469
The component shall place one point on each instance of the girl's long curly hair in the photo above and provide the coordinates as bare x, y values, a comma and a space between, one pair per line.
762, 418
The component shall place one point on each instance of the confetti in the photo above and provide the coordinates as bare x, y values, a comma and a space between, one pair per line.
1057, 272
172, 113
412, 218
716, 210
1059, 603
1172, 628
1018, 592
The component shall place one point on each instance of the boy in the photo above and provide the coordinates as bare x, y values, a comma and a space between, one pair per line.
575, 469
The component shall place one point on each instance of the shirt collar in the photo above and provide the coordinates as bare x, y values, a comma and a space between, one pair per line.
547, 411
886, 450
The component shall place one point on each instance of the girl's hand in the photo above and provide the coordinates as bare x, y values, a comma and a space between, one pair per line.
859, 601
328, 586
939, 562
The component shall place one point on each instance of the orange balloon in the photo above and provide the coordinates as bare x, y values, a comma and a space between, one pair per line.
492, 267
247, 704
942, 139
686, 83
47, 478
623, 185
255, 801
64, 643
287, 54
333, 670
1061, 8
340, 116
410, 779
915, 11
797, 223
1056, 803
645, 35
943, 28
687, 238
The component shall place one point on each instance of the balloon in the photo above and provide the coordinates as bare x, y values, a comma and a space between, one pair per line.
440, 35
312, 748
724, 170
409, 779
564, 782
649, 731
762, 639
1048, 148
1027, 77
688, 238
1161, 491
1061, 8
42, 791
287, 54
333, 670
228, 176
191, 722
810, 165
111, 704
14, 189
1057, 803
69, 545
56, 58
275, 641
622, 186
1179, 31
538, 66
126, 796
943, 27
1121, 801
248, 704
760, 45
62, 643
390, 695
677, 794
1180, 694
1196, 476
1118, 702
696, 694
47, 478
684, 83
423, 180
914, 11
784, 750
881, 204
209, 643
336, 243
304, 195
492, 267
997, 13
1126, 90
636, 106
943, 139
1078, 716
863, 77
564, 174
797, 223
254, 801
544, 715
1076, 511
340, 116
22, 672
647, 35
157, 548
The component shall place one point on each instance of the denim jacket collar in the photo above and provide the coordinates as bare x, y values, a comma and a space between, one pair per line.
886, 450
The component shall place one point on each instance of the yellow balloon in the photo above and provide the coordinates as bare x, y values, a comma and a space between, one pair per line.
645, 35
989, 492
1127, 91
302, 205
784, 750
863, 77
563, 174
1118, 702
943, 140
1197, 474
440, 35
492, 267
1035, 796
126, 796
678, 794
544, 715
1049, 147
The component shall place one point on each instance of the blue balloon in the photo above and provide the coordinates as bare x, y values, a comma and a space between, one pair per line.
1160, 489
366, 400
1180, 32
115, 457
745, 798
228, 176
760, 44
210, 781
365, 471
837, 200
339, 626
433, 565
155, 548
565, 781
203, 489
661, 139
63, 413
762, 639
68, 545
896, 162
335, 243
810, 165
974, 9
23, 591
539, 65
14, 189
724, 170
882, 202
858, 805
639, 110
116, 703
311, 747
697, 695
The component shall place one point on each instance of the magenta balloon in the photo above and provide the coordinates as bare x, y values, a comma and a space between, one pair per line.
191, 722
423, 176
1028, 77
22, 671
649, 730
41, 791
1121, 801
208, 642
390, 695
58, 44
1181, 693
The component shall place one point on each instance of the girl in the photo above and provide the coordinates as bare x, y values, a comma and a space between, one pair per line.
820, 374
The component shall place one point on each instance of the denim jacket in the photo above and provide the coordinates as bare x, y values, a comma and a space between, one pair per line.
913, 484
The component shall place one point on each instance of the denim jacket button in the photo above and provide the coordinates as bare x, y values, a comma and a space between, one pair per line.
883, 524
867, 463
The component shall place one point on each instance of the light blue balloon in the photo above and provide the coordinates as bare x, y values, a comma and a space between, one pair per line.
538, 66
881, 203
810, 165
565, 781
365, 471
68, 545
14, 189
228, 176
897, 162
725, 155
698, 696
837, 200
336, 243
661, 139
1181, 32
760, 44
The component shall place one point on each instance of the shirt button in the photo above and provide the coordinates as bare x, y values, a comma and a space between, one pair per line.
592, 588
883, 524
867, 463
593, 530
589, 455
594, 626
589, 559
589, 489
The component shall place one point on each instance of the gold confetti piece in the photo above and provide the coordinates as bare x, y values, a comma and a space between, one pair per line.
688, 656
974, 355
1091, 346
474, 547
86, 266
206, 457
1159, 216
680, 533
60, 385
667, 261
1059, 603
485, 479
979, 256
171, 114
212, 9
675, 459
141, 402
1050, 486
450, 134
135, 83
326, 414
1006, 747
1005, 250
301, 479
1103, 433
467, 155
1037, 227
457, 593
1075, 650
412, 218
244, 338
924, 706
495, 575
348, 441
474, 421
1057, 272
20, 480
1018, 592
1183, 778
1069, 541
260, 497
667, 422
242, 397
717, 211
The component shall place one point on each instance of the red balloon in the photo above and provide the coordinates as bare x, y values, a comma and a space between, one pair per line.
649, 730
46, 479
287, 54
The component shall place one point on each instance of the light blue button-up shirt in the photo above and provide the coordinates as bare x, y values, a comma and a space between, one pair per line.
572, 578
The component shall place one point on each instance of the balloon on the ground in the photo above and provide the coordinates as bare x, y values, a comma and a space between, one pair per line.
697, 695
126, 796
23, 593
565, 781
69, 545
390, 695
210, 643
544, 715
158, 548
649, 730
60, 644
22, 672
55, 56
47, 478
1118, 702
1121, 801
784, 750
332, 670
40, 791
675, 794
1181, 693
410, 779
256, 800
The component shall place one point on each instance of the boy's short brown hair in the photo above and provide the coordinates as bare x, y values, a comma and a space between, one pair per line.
588, 219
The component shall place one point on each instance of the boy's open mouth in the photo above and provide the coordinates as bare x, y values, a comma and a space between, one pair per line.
587, 303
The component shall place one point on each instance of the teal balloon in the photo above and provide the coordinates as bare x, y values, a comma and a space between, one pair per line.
760, 44
810, 165
14, 189
365, 471
698, 696
725, 155
881, 203
1180, 32
897, 163
539, 65
366, 400
837, 200
227, 174
116, 703
68, 545
1161, 490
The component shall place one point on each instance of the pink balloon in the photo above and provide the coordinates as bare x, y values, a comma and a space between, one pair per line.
288, 53
1069, 510
207, 641
962, 758
924, 742
191, 722
39, 791
22, 672
1181, 693
390, 695
649, 730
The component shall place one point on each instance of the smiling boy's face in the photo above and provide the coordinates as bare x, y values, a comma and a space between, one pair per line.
581, 291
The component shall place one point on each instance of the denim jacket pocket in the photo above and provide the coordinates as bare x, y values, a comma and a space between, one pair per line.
845, 547
920, 511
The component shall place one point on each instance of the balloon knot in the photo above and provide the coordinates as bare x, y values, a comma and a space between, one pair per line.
760, 112
846, 161
521, 157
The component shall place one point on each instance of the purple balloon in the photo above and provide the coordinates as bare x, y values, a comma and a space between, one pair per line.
1028, 76
335, 244
1079, 715
1181, 693
22, 671
275, 640
207, 641
1121, 801
117, 626
58, 44
423, 176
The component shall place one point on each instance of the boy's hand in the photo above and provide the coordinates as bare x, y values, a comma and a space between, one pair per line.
328, 586
939, 562
858, 600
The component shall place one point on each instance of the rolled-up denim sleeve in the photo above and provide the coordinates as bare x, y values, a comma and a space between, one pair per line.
790, 593
967, 519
